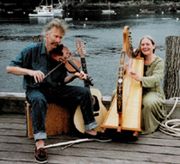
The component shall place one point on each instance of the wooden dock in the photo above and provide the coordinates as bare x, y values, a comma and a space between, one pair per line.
15, 147
156, 148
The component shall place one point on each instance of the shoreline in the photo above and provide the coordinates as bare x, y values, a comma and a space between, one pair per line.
94, 9
123, 5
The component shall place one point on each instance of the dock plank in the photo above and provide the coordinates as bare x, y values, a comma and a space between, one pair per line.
15, 147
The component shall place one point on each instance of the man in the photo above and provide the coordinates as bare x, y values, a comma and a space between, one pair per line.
35, 63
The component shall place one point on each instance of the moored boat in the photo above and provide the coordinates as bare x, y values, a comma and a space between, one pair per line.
108, 12
52, 10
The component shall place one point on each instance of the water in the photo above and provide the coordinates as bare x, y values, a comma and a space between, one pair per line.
103, 44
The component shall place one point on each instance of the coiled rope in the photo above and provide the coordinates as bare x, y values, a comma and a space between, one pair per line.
171, 126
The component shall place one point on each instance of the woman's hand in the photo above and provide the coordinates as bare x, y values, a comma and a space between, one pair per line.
134, 75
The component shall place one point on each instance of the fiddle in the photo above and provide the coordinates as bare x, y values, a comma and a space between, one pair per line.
71, 63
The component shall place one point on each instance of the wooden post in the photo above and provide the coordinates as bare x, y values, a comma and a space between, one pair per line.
172, 67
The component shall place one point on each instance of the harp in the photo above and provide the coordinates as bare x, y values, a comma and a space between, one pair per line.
125, 108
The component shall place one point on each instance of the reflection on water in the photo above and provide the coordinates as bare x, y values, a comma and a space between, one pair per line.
103, 43
39, 20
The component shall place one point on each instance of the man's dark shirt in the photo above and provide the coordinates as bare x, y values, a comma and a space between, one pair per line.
35, 57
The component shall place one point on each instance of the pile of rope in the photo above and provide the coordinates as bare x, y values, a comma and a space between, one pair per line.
171, 126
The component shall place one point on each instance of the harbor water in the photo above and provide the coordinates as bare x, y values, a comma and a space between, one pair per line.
103, 44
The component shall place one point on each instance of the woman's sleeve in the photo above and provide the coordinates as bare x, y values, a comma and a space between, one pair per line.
156, 78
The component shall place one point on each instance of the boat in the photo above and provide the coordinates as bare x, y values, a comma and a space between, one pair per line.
146, 11
52, 10
108, 11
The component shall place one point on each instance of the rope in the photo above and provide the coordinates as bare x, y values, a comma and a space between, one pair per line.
171, 126
72, 142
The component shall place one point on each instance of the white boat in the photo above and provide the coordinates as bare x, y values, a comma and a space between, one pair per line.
52, 10
108, 12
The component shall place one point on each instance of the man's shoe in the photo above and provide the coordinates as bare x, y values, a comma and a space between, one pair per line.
41, 155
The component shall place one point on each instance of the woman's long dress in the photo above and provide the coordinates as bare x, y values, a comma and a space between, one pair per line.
153, 96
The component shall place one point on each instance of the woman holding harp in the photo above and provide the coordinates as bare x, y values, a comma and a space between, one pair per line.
153, 95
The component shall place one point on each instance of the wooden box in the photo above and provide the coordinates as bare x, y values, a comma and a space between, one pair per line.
57, 120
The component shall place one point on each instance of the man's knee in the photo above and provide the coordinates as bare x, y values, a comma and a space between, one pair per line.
37, 101
86, 90
83, 91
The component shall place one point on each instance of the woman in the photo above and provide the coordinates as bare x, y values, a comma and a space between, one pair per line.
153, 95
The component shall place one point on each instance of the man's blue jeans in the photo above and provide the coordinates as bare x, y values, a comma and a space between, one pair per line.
64, 95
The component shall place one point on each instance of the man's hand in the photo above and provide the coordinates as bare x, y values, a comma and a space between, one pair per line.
38, 75
81, 75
